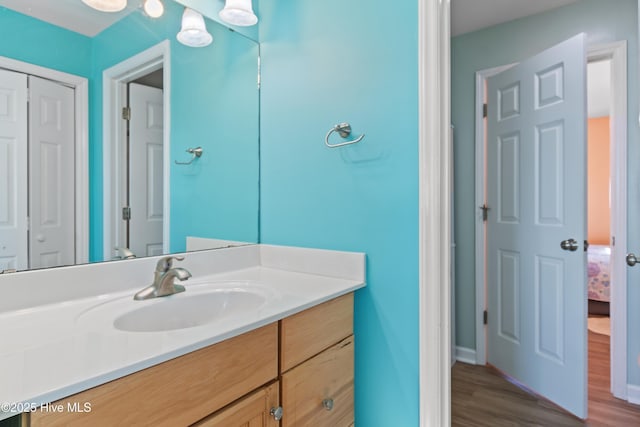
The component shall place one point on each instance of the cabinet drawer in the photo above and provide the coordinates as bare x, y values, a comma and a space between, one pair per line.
329, 375
252, 411
306, 334
180, 391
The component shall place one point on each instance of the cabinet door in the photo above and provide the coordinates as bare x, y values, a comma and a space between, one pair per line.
319, 392
252, 411
309, 332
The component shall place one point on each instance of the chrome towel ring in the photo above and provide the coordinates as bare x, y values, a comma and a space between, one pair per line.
195, 153
344, 130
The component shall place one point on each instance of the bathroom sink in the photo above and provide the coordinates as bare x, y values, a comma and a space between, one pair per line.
188, 310
199, 305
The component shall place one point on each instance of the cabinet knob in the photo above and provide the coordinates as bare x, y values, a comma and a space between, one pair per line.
327, 404
276, 413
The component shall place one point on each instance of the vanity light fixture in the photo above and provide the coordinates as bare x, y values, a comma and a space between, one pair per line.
153, 8
106, 5
238, 12
194, 32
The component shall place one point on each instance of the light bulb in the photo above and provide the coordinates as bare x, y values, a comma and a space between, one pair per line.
153, 8
238, 12
194, 31
106, 5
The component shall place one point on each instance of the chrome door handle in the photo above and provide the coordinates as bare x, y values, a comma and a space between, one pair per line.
569, 245
632, 260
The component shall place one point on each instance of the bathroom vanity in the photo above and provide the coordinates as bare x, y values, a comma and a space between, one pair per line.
281, 354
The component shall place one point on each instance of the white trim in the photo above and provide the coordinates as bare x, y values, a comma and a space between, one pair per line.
434, 212
81, 93
467, 355
113, 80
617, 53
633, 394
481, 198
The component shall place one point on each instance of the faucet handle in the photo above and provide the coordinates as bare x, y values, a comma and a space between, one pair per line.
166, 263
125, 253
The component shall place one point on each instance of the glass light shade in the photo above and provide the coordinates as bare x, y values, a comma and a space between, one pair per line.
238, 12
194, 32
153, 8
106, 5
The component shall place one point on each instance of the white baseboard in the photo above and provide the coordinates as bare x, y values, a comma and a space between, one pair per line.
466, 355
633, 394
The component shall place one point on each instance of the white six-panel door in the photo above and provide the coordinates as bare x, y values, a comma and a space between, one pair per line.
13, 171
51, 174
145, 170
536, 192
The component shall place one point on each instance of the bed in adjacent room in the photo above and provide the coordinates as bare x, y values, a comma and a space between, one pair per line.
599, 278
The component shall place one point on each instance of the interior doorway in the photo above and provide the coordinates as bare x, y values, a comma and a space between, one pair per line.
144, 173
146, 67
613, 57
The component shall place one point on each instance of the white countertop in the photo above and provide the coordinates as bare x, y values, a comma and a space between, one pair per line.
56, 349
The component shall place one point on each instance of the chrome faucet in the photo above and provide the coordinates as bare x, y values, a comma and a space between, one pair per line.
164, 280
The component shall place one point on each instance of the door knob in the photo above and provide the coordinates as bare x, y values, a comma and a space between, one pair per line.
327, 404
569, 245
632, 260
276, 413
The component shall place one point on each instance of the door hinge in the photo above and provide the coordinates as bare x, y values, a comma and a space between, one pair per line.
126, 113
485, 317
126, 213
259, 72
485, 110
485, 212
613, 240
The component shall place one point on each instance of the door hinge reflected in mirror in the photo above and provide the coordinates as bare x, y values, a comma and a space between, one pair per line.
126, 213
485, 212
485, 110
485, 317
126, 113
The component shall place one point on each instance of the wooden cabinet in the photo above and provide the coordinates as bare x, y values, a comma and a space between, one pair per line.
178, 392
251, 411
319, 392
317, 364
304, 364
309, 332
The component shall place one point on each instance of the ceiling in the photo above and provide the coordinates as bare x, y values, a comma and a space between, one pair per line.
472, 15
73, 15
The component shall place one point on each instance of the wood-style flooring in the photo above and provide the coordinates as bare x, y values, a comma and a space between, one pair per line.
481, 396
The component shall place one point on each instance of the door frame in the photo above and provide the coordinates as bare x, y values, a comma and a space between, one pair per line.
80, 86
617, 53
434, 213
114, 82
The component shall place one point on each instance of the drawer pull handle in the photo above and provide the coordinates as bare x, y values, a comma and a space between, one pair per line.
327, 404
276, 413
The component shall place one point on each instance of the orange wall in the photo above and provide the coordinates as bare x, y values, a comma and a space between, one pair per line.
598, 181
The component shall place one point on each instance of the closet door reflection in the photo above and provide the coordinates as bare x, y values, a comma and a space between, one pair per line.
37, 184
13, 171
51, 174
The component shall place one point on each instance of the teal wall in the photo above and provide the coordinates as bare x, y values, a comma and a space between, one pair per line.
329, 61
603, 21
214, 104
31, 40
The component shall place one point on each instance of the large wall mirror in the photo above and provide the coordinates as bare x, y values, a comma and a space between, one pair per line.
100, 115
